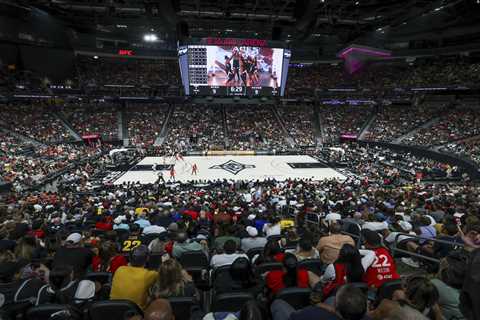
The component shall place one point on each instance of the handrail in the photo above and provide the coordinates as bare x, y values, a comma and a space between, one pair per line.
395, 249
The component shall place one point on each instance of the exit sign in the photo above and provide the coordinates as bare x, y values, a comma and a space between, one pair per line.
124, 52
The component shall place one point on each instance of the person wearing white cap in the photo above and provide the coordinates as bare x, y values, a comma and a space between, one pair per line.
119, 223
253, 240
74, 254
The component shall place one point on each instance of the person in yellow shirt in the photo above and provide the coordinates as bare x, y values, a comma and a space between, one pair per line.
133, 281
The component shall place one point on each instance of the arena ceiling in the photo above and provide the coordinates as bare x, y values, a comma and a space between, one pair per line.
287, 20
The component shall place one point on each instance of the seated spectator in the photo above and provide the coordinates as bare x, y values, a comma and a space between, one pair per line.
182, 244
290, 276
142, 220
350, 267
305, 249
159, 309
172, 281
133, 281
425, 229
329, 247
272, 252
383, 268
63, 288
108, 259
449, 281
226, 233
240, 278
13, 289
350, 304
74, 254
272, 227
251, 310
119, 223
228, 257
419, 293
253, 240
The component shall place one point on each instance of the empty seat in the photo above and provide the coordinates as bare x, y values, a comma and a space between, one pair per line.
296, 297
182, 307
230, 302
194, 261
112, 309
45, 311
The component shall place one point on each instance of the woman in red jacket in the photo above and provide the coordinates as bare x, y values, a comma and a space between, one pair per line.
290, 276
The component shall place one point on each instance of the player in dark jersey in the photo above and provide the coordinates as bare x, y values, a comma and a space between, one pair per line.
254, 70
228, 70
236, 64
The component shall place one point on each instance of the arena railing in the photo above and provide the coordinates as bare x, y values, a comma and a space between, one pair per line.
394, 248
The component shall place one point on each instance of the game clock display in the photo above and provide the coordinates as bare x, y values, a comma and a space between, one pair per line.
209, 70
233, 91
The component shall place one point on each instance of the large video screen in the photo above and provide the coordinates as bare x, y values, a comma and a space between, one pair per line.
233, 70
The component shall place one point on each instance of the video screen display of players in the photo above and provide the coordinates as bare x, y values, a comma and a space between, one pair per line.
235, 70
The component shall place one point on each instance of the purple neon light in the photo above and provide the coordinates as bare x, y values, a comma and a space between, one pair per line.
373, 52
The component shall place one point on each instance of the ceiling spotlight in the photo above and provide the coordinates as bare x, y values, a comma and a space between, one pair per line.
95, 57
150, 37
357, 3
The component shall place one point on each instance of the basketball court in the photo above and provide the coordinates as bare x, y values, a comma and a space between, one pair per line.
231, 168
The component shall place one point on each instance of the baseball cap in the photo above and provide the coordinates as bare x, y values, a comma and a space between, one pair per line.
406, 226
252, 231
74, 237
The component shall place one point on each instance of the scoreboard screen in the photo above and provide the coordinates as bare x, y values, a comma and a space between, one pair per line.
212, 70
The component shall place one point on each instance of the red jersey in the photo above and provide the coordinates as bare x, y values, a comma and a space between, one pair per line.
340, 280
383, 269
172, 172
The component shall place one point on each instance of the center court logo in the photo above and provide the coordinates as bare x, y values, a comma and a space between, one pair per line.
233, 166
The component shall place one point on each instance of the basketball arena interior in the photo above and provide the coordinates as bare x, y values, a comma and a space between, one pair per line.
239, 159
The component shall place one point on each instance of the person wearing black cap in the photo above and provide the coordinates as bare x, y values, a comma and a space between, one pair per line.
383, 268
133, 281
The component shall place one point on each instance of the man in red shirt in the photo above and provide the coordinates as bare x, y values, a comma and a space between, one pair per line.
172, 173
194, 169
383, 268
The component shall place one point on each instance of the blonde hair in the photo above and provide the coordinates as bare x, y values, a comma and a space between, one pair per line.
171, 280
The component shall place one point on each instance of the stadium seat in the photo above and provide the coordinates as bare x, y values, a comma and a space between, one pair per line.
313, 265
268, 266
253, 252
100, 277
296, 297
112, 309
230, 302
45, 311
274, 238
219, 270
194, 261
182, 307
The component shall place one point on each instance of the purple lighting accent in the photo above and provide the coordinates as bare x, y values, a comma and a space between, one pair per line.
368, 51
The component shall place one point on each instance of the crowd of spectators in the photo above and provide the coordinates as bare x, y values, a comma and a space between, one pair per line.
145, 123
144, 234
298, 122
254, 128
94, 119
454, 125
391, 122
339, 120
469, 148
383, 76
196, 127
34, 120
127, 76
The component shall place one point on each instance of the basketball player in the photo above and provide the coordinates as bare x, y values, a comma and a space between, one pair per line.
254, 70
194, 169
228, 71
236, 63
172, 173
274, 78
179, 157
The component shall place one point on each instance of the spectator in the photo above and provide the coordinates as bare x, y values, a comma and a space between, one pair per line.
74, 254
253, 240
228, 257
133, 281
329, 247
